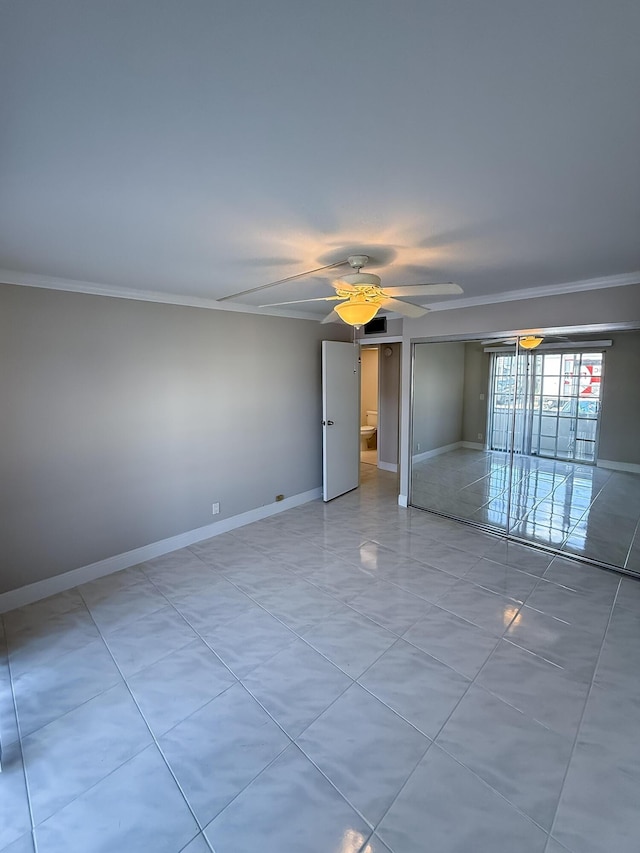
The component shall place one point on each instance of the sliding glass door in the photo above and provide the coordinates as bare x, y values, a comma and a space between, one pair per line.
565, 405
546, 404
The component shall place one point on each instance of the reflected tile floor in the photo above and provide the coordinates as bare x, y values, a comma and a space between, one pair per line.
579, 509
349, 677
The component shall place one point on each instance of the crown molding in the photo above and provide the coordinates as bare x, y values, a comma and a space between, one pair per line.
537, 292
95, 289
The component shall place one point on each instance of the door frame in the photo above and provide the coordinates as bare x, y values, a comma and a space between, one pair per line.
379, 343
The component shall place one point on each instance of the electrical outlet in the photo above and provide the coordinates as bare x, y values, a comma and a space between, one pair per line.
417, 447
479, 436
482, 396
215, 508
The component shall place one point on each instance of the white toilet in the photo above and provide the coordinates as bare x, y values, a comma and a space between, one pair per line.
369, 429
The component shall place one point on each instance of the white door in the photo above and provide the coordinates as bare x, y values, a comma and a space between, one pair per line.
340, 418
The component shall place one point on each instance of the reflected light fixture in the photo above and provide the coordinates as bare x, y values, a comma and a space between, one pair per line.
530, 342
511, 616
358, 309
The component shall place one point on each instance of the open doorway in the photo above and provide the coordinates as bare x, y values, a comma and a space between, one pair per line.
369, 400
380, 404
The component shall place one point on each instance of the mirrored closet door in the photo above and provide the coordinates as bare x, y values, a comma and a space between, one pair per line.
541, 443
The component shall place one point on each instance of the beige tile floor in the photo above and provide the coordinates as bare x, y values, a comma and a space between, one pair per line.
348, 677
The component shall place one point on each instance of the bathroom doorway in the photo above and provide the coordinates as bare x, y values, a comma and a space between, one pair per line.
369, 390
380, 404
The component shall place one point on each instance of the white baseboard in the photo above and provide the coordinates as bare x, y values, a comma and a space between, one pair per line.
388, 466
403, 501
632, 467
437, 451
67, 580
473, 445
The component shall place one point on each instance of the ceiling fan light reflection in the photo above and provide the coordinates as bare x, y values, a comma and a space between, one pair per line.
530, 342
356, 313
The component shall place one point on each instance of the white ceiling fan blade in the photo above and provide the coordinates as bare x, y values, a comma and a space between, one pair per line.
298, 301
338, 283
282, 281
334, 317
444, 289
404, 308
497, 342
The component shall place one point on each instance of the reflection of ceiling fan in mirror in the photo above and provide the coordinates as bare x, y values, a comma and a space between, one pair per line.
525, 341
360, 295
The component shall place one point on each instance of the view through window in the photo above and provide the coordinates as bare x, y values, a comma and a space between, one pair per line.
552, 399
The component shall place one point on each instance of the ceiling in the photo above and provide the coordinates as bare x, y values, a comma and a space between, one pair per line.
198, 148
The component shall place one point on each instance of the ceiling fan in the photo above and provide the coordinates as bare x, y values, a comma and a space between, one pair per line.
526, 341
360, 295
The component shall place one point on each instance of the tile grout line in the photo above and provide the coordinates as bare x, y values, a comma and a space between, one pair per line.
356, 681
100, 692
297, 635
430, 602
398, 637
557, 552
344, 604
584, 708
239, 682
292, 741
367, 617
633, 539
433, 741
139, 752
369, 824
19, 741
503, 637
577, 521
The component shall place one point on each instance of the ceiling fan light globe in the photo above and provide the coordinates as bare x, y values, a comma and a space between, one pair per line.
530, 342
356, 313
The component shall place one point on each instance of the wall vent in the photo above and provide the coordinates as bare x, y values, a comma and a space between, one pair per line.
377, 326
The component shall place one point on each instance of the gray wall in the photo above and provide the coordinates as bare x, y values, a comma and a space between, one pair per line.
123, 421
593, 308
438, 385
476, 385
389, 415
620, 419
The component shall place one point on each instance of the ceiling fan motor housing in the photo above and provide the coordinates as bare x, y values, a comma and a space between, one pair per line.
361, 279
357, 261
